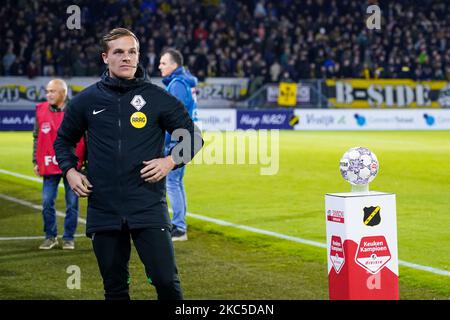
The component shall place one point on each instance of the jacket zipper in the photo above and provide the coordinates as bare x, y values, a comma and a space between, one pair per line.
120, 131
120, 156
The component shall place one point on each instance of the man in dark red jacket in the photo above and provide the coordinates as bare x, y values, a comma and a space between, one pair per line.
49, 116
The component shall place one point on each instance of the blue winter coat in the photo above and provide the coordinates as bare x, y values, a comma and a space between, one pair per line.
181, 84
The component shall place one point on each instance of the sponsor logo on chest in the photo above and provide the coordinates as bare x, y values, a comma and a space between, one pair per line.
138, 102
138, 119
46, 127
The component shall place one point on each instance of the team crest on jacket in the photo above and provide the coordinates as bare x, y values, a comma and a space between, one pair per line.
45, 128
138, 102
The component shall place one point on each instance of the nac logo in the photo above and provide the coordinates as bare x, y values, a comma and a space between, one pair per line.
138, 120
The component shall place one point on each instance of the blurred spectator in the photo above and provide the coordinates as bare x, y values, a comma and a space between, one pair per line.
8, 60
80, 67
260, 11
32, 70
275, 71
150, 59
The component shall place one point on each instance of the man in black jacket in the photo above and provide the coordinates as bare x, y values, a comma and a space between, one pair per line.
126, 118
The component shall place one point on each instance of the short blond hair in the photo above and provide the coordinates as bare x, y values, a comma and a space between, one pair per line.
116, 34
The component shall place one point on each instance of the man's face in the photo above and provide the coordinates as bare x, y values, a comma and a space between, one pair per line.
55, 93
122, 57
166, 65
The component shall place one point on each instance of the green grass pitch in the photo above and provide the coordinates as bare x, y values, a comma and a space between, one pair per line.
220, 262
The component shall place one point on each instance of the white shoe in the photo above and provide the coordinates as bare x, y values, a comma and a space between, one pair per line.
178, 235
48, 244
68, 244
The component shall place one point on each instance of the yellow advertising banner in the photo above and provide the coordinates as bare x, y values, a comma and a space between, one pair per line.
388, 93
287, 94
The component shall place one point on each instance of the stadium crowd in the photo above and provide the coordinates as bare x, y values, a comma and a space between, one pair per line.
273, 40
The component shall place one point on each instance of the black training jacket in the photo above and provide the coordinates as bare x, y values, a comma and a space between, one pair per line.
126, 121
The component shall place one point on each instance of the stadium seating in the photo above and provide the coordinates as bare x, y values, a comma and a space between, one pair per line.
272, 40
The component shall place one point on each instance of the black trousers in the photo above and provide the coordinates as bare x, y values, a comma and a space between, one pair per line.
154, 246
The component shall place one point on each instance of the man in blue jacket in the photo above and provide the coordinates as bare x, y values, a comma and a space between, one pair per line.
181, 84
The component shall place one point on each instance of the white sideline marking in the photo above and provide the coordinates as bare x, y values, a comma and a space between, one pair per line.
32, 238
256, 230
35, 206
233, 225
22, 176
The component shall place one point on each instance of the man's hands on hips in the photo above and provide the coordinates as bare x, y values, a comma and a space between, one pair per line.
157, 169
78, 182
